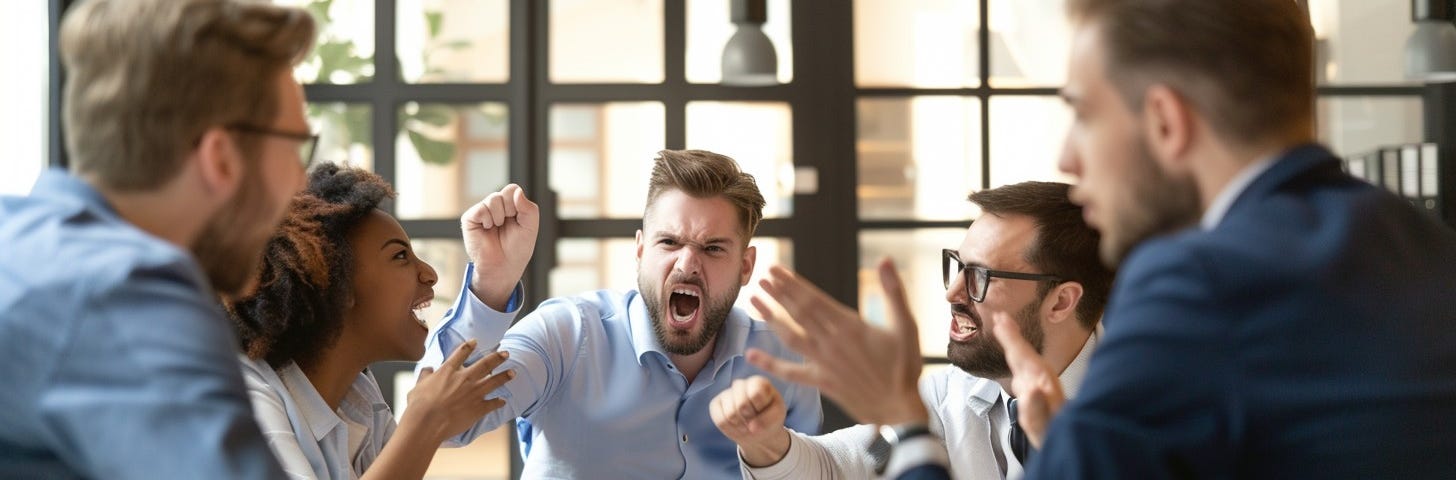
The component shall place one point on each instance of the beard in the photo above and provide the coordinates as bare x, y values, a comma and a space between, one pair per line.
1154, 203
714, 313
982, 355
230, 247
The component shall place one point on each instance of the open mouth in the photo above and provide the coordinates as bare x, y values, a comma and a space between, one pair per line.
418, 311
684, 304
963, 327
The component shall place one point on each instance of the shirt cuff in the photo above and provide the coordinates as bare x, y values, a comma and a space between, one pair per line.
916, 452
787, 467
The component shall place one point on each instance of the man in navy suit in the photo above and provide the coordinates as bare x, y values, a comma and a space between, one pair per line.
1273, 318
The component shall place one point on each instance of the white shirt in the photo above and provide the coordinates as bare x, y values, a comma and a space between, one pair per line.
967, 412
312, 441
1235, 187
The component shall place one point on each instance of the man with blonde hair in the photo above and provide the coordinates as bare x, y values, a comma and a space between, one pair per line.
186, 138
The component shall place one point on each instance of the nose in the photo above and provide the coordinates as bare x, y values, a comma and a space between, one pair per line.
689, 262
428, 275
956, 291
1069, 163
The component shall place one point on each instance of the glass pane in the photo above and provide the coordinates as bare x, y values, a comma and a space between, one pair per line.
454, 41
345, 49
601, 155
587, 264
916, 43
1027, 134
24, 32
918, 157
449, 157
1030, 41
759, 135
344, 133
489, 455
606, 41
709, 28
1356, 125
1360, 41
917, 255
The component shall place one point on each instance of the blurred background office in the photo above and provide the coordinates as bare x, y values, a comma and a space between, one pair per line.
866, 123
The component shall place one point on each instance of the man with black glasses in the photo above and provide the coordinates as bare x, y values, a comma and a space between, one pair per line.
1029, 259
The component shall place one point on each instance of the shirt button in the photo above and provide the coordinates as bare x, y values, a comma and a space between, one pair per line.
685, 438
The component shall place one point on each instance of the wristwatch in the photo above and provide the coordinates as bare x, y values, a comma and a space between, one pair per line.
894, 435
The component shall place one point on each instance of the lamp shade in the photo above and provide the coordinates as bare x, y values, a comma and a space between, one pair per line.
1430, 52
749, 58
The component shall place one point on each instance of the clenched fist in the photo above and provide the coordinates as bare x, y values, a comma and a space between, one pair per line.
752, 413
500, 237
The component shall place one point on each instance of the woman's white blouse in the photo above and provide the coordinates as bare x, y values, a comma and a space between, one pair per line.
312, 441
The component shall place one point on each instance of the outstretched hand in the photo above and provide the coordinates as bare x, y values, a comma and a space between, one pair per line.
869, 371
1038, 390
500, 237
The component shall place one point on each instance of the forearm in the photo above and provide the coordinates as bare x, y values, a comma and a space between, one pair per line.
408, 453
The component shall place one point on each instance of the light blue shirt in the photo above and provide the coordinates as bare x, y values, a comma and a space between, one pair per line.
116, 358
597, 395
313, 441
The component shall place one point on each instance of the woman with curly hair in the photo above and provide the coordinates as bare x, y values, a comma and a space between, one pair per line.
340, 288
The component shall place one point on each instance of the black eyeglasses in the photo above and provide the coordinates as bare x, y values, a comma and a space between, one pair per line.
978, 278
308, 142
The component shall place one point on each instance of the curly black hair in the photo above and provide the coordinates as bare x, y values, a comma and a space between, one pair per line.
306, 275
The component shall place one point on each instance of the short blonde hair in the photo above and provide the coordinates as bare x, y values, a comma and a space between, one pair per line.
146, 78
705, 174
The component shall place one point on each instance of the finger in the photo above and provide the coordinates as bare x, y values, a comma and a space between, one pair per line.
715, 411
793, 372
488, 406
487, 364
761, 393
497, 204
457, 358
787, 330
902, 320
527, 213
1020, 356
470, 220
425, 373
802, 300
743, 406
508, 199
491, 383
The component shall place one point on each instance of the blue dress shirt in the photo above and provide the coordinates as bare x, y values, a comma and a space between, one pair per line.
597, 396
116, 358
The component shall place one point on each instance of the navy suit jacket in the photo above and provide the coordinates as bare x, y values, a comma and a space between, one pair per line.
1309, 335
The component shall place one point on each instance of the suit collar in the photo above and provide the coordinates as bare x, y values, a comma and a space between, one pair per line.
1292, 163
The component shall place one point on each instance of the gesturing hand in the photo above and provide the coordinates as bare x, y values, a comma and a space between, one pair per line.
1038, 391
500, 236
752, 413
870, 371
449, 400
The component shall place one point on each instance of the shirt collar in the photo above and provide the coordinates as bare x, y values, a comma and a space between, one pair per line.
311, 406
1236, 186
986, 392
57, 183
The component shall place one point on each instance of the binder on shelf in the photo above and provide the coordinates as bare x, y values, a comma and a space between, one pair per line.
1390, 169
1410, 172
1430, 179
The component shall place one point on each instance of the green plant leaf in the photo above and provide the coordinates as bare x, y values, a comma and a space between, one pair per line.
432, 152
434, 19
433, 114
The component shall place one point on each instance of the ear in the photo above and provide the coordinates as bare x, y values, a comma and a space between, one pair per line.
1061, 303
750, 256
219, 163
639, 246
1168, 127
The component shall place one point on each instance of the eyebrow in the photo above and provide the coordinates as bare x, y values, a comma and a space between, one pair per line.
395, 241
710, 241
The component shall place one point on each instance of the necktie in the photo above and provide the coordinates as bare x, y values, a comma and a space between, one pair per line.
1020, 446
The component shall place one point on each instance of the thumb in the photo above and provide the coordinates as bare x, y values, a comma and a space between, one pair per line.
528, 214
901, 320
425, 373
